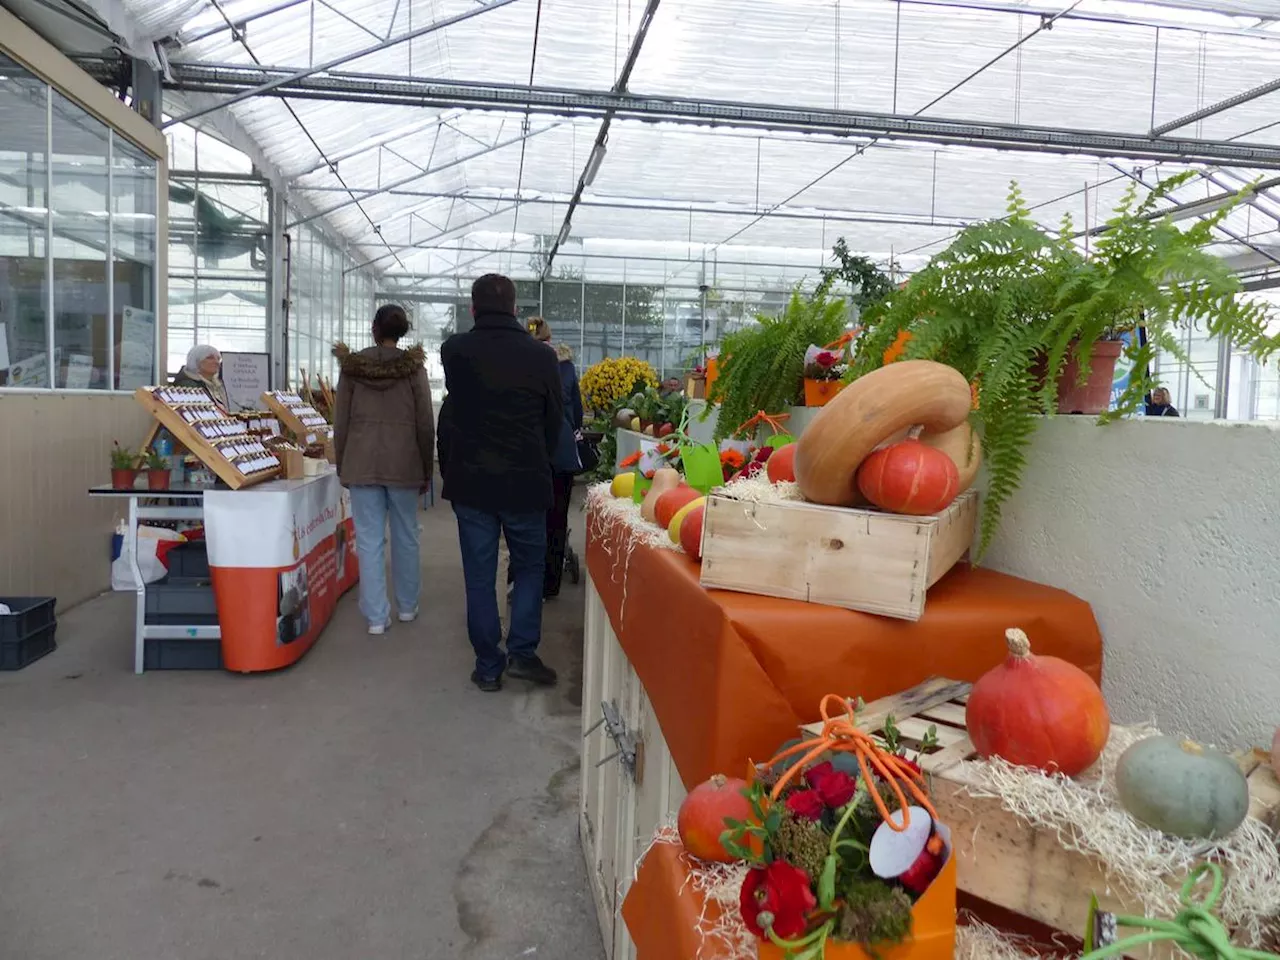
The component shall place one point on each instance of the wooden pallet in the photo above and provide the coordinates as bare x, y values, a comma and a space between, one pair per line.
999, 857
197, 445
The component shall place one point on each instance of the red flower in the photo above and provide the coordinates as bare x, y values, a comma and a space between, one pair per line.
630, 460
806, 803
732, 458
910, 763
777, 897
764, 453
827, 359
835, 787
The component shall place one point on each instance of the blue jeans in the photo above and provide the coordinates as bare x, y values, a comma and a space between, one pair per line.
526, 534
373, 509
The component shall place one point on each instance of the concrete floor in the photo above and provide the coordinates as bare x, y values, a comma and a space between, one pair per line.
367, 804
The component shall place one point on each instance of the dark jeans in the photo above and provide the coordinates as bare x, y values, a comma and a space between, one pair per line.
526, 534
557, 534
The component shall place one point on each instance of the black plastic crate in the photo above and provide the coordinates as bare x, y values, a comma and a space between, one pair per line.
182, 654
16, 654
29, 615
187, 603
189, 561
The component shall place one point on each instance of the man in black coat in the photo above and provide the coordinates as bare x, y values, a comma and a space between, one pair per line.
498, 429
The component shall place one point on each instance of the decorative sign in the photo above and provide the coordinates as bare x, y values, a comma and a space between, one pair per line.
137, 348
247, 376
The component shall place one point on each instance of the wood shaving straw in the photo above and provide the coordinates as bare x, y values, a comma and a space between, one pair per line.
617, 524
727, 937
1086, 817
759, 489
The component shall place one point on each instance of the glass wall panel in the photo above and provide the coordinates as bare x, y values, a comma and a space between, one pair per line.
562, 307
134, 236
23, 224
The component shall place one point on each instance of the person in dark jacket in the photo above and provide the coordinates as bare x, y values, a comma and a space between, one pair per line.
564, 464
499, 429
1160, 404
384, 439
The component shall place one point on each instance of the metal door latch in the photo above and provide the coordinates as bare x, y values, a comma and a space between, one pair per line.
630, 750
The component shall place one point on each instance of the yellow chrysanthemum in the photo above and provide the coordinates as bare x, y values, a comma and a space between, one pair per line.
605, 383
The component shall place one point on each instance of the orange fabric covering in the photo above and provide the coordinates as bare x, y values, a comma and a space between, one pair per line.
731, 675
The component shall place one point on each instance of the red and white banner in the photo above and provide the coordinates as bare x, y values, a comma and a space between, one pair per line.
280, 555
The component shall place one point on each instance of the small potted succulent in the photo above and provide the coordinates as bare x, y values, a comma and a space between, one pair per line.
124, 467
157, 471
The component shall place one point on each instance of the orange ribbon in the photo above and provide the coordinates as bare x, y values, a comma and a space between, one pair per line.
840, 734
774, 420
843, 340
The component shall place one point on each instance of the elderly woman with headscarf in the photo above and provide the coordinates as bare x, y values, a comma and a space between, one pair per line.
203, 370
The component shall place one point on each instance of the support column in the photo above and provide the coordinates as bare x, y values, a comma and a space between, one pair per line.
148, 97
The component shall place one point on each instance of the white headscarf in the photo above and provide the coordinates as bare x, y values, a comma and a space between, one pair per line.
195, 356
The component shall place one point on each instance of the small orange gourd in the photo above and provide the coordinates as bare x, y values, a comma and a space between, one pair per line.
1038, 712
701, 820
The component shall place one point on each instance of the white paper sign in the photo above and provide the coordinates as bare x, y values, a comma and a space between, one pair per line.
137, 348
79, 372
247, 376
33, 371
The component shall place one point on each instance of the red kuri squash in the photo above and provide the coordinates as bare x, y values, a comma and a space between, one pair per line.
909, 477
700, 821
781, 464
1038, 712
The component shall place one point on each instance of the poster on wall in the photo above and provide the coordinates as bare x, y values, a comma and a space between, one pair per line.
247, 376
79, 372
137, 348
1124, 366
32, 371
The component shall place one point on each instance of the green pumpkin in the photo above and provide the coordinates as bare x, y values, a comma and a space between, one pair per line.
1182, 788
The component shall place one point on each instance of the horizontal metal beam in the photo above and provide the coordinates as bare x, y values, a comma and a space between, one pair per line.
1132, 18
510, 98
268, 86
237, 23
1215, 108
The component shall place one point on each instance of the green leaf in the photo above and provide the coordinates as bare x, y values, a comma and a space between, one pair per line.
773, 820
779, 440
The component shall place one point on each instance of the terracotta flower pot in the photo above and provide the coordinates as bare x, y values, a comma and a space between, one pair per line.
818, 393
157, 479
1094, 396
122, 479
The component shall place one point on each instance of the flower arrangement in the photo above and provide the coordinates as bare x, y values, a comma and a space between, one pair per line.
613, 379
842, 849
825, 365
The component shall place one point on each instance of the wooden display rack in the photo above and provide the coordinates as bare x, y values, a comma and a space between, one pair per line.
1001, 858
197, 445
288, 416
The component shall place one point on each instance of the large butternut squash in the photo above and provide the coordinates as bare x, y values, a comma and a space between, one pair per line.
963, 445
869, 411
664, 479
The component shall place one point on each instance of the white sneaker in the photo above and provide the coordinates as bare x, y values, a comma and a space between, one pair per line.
409, 617
378, 629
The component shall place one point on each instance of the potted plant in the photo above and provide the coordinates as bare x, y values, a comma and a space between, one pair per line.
762, 366
124, 467
1028, 316
157, 471
824, 369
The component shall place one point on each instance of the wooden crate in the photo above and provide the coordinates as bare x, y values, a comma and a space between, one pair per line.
201, 448
858, 559
999, 857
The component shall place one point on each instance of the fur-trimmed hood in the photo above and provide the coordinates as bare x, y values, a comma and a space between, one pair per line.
380, 367
564, 352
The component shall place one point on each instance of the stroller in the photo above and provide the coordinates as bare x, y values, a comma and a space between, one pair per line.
591, 441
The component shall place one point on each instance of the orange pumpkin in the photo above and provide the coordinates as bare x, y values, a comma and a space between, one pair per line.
670, 502
781, 464
909, 477
1038, 712
701, 820
691, 531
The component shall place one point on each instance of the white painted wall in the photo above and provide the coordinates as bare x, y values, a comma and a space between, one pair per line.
1171, 530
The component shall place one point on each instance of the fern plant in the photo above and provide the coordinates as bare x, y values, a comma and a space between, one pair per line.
762, 365
1008, 304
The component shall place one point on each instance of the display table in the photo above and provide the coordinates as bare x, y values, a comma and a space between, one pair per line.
280, 555
691, 682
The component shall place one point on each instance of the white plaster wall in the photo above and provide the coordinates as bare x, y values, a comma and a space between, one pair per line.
1171, 530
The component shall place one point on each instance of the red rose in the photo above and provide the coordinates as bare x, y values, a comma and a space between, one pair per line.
806, 803
764, 453
910, 763
834, 787
827, 359
778, 897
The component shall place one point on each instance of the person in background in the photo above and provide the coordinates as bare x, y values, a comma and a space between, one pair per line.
384, 439
204, 370
564, 463
499, 429
1160, 404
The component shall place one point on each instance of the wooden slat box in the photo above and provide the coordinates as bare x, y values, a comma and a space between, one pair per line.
858, 559
999, 857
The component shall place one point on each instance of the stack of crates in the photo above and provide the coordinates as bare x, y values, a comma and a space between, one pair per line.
184, 598
28, 631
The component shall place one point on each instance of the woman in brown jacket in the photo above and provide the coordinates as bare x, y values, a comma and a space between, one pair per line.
384, 437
